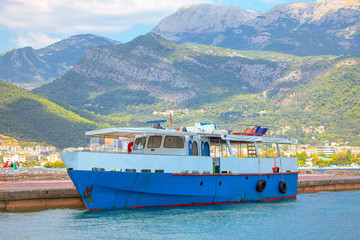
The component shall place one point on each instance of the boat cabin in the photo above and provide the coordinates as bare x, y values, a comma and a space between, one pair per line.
169, 144
202, 148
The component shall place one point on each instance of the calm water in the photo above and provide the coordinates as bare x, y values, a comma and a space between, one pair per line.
325, 215
322, 170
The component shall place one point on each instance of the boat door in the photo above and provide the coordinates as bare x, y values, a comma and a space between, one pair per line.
216, 165
193, 148
207, 149
190, 148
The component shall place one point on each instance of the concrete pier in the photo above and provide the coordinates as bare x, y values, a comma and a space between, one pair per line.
312, 185
30, 196
38, 195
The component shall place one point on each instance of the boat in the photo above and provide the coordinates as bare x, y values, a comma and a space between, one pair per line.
185, 166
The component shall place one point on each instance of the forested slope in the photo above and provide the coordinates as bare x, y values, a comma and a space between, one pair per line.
26, 116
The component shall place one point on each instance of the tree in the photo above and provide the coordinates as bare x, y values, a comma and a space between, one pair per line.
301, 158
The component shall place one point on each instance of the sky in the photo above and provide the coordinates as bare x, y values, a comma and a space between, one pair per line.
39, 23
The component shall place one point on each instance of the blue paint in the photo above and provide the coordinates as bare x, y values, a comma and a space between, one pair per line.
202, 148
207, 149
190, 148
126, 190
156, 121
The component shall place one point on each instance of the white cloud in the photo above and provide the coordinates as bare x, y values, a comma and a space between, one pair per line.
34, 21
81, 16
35, 40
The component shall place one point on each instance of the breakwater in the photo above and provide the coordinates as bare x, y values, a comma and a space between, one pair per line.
38, 198
342, 172
328, 183
33, 175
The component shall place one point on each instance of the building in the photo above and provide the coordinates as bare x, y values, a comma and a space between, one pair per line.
16, 158
54, 157
327, 150
311, 151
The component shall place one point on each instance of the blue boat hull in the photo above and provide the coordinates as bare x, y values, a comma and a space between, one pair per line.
110, 189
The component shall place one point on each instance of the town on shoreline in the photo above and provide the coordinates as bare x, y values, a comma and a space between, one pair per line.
329, 155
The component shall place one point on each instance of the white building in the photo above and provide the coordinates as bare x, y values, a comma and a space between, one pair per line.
327, 150
54, 157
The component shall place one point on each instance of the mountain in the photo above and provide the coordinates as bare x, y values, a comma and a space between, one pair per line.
327, 108
315, 28
26, 116
150, 76
30, 68
151, 69
193, 21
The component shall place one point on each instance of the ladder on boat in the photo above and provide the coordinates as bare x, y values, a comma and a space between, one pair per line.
251, 150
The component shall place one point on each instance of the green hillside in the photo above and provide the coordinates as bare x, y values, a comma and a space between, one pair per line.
311, 98
26, 116
331, 101
151, 70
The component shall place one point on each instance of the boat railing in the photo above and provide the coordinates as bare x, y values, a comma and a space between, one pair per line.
133, 153
96, 151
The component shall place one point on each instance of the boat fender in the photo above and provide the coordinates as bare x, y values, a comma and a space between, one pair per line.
261, 185
282, 186
130, 146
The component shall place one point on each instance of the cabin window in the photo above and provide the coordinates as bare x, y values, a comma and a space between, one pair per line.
154, 142
287, 150
219, 148
174, 142
139, 143
267, 150
243, 149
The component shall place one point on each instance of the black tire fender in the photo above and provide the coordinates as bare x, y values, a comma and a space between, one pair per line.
261, 185
282, 186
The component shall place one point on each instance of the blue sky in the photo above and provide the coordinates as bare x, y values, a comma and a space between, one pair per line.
39, 23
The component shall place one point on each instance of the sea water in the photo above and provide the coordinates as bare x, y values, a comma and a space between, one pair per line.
323, 170
323, 215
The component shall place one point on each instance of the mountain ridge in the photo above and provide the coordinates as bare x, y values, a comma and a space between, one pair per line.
176, 73
295, 28
30, 68
123, 84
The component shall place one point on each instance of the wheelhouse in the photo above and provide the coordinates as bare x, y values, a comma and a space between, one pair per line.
204, 146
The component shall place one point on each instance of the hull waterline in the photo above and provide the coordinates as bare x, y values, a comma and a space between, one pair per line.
112, 190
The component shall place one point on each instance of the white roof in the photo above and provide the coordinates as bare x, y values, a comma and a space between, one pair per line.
259, 139
132, 132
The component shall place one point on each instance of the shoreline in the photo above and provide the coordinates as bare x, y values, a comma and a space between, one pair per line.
327, 168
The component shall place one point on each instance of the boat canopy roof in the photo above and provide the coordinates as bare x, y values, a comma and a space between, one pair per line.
132, 132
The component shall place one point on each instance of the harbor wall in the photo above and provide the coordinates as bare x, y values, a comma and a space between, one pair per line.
342, 172
328, 184
33, 176
25, 199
